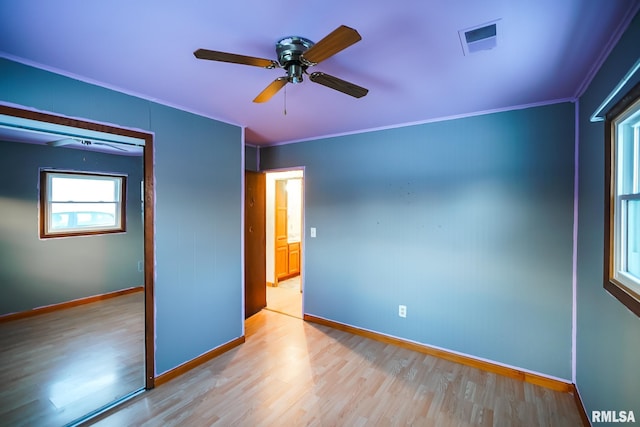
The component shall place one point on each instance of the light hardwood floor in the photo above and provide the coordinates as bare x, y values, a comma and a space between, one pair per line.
293, 373
286, 298
57, 367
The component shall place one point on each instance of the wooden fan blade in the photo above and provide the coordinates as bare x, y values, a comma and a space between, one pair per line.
339, 39
272, 89
213, 55
338, 84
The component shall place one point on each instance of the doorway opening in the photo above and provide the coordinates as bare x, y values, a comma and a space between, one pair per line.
284, 241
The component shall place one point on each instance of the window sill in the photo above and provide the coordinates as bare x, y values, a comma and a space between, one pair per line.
626, 296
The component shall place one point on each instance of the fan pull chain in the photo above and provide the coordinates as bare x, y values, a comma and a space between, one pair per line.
285, 100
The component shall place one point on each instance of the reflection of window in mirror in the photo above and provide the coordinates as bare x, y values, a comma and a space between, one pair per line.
74, 203
294, 210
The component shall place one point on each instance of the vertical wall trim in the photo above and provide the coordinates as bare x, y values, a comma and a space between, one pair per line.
574, 302
242, 219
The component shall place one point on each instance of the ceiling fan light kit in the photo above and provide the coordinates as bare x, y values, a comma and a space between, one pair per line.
295, 55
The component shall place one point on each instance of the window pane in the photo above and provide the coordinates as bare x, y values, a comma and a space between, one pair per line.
60, 220
76, 215
633, 238
626, 146
64, 189
636, 159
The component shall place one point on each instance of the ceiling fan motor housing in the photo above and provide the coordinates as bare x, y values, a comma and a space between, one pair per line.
290, 50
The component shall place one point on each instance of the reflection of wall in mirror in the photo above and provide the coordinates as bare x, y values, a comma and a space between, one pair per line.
54, 271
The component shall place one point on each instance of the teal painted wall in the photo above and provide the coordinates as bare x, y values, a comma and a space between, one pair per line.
251, 158
608, 341
36, 272
198, 172
468, 222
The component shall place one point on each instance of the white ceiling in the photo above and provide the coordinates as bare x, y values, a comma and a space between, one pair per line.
410, 56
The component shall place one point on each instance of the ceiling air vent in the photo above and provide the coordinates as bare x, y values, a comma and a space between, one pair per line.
483, 37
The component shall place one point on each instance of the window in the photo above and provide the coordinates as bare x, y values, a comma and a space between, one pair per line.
622, 244
76, 203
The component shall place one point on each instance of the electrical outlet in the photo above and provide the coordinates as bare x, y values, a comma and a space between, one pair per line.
402, 310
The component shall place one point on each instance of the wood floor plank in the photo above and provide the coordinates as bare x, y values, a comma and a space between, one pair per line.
293, 373
286, 298
58, 366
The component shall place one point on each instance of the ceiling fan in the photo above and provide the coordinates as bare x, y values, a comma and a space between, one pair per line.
295, 55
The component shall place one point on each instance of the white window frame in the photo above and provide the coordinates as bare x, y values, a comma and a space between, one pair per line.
46, 202
622, 186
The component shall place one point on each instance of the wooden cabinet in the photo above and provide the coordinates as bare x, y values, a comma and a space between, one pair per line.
282, 245
282, 262
294, 258
287, 254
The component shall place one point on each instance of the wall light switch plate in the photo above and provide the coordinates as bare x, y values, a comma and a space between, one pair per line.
313, 232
